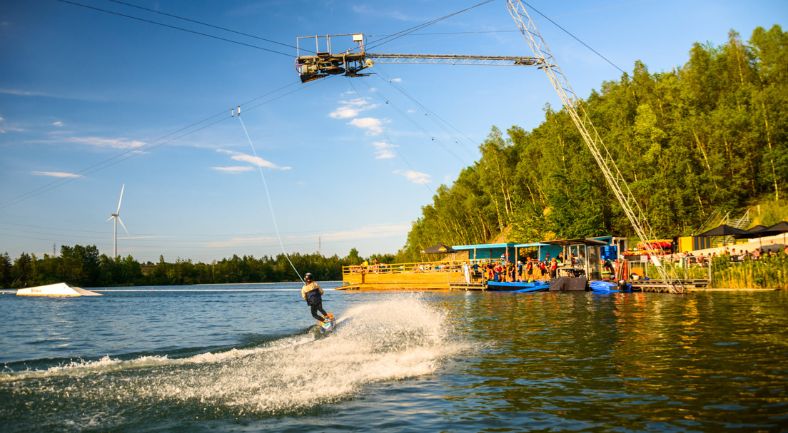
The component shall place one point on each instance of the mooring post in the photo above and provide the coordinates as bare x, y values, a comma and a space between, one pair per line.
710, 263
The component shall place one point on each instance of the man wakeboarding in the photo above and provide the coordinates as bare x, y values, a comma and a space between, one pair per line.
313, 295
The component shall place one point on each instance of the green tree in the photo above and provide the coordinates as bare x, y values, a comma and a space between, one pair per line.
22, 271
6, 274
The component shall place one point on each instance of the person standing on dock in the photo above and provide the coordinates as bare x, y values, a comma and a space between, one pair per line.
312, 293
553, 268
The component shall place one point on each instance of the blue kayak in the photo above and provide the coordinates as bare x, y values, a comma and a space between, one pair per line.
520, 287
603, 287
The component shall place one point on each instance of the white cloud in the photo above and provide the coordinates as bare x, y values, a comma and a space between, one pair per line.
20, 92
37, 94
380, 231
254, 160
344, 112
367, 232
257, 161
58, 174
115, 143
396, 80
372, 125
351, 108
413, 176
384, 150
5, 127
144, 237
243, 240
58, 123
233, 169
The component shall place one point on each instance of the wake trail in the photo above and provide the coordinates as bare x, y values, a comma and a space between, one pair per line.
394, 339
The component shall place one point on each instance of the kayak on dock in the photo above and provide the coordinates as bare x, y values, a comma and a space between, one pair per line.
518, 287
598, 286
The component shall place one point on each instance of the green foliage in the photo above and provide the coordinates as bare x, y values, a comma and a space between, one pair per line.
769, 212
707, 137
771, 271
83, 266
353, 258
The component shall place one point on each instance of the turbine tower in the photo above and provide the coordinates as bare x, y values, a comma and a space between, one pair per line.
116, 217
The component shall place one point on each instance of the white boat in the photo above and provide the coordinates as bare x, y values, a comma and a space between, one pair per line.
60, 290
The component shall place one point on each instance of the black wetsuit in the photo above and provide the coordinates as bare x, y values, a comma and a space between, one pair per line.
315, 302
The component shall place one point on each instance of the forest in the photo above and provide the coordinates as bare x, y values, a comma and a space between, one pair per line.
694, 144
83, 266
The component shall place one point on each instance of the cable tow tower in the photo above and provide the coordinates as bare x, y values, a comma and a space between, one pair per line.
573, 105
322, 62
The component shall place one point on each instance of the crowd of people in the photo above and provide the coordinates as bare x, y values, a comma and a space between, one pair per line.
532, 269
526, 269
732, 253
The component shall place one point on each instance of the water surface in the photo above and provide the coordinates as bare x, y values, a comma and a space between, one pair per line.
246, 358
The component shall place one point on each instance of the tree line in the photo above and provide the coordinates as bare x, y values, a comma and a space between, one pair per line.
83, 266
695, 143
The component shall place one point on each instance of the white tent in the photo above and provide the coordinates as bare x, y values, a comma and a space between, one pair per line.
56, 290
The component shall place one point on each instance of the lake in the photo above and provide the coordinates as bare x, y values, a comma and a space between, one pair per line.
246, 357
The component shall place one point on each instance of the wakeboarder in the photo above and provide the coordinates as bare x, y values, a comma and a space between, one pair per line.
312, 293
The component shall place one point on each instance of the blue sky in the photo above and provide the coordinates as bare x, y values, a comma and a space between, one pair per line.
87, 101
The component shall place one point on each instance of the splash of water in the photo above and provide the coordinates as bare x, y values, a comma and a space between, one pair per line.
398, 338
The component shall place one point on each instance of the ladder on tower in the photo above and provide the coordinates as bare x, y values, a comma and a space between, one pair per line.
581, 119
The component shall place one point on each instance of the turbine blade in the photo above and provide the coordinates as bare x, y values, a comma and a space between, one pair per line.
110, 217
123, 187
123, 225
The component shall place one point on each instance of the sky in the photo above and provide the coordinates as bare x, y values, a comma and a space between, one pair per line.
91, 101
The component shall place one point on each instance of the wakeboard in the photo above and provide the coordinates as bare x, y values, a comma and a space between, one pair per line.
327, 325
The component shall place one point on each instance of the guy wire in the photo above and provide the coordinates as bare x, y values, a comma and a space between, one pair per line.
268, 196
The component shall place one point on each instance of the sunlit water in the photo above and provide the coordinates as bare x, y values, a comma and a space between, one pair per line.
247, 358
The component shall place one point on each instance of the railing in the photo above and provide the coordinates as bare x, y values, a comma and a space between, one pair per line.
403, 268
769, 270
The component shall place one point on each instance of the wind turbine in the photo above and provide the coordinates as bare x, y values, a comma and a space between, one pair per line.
116, 216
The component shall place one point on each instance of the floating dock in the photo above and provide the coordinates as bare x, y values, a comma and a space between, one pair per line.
660, 286
467, 286
402, 276
453, 276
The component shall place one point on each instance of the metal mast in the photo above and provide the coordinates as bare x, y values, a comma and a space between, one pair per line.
591, 137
